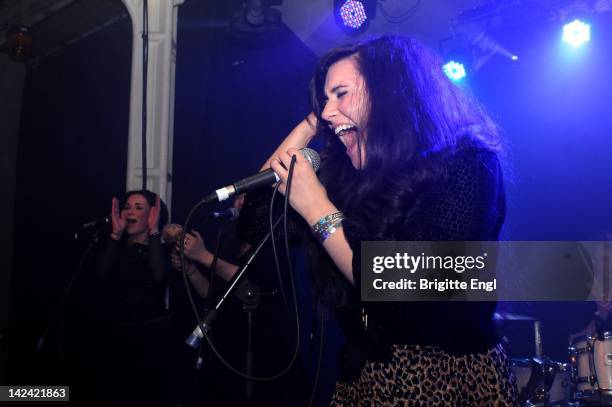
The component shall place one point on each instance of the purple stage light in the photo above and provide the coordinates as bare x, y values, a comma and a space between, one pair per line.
353, 14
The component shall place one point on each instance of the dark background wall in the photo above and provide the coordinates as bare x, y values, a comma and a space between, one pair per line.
12, 76
236, 97
71, 161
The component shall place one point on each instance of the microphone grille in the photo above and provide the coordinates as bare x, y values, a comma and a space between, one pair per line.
171, 232
312, 156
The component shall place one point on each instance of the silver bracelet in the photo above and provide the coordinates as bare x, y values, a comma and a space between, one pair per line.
327, 225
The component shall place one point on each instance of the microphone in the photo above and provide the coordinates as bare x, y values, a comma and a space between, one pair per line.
96, 223
171, 233
261, 179
229, 214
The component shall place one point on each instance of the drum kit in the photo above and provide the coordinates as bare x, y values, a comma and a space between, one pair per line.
584, 380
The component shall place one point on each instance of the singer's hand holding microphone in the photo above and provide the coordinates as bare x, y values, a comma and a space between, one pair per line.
308, 196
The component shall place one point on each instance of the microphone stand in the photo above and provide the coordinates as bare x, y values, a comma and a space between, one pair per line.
250, 295
59, 310
205, 325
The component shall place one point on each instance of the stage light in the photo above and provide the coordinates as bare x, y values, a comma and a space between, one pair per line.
454, 70
353, 16
576, 33
254, 19
255, 13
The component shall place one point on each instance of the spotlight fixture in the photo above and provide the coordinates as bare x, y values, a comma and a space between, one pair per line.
353, 16
576, 33
255, 13
256, 18
458, 54
454, 70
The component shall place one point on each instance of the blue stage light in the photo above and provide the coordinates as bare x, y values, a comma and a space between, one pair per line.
353, 14
576, 33
454, 70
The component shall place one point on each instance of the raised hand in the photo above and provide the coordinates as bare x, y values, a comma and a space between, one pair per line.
153, 221
117, 220
299, 138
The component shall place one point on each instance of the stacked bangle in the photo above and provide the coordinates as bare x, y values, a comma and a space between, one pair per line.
327, 225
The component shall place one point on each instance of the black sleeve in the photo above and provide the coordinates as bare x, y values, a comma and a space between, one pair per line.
158, 262
107, 258
469, 206
253, 223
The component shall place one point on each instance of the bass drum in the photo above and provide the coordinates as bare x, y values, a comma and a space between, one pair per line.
591, 369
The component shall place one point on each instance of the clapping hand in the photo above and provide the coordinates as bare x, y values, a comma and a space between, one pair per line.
117, 220
153, 221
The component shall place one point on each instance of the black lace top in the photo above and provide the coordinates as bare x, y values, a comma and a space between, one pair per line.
468, 205
134, 277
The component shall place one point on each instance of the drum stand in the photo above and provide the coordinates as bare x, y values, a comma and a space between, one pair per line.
537, 390
543, 372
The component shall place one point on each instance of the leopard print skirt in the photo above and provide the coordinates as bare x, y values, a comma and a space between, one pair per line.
428, 376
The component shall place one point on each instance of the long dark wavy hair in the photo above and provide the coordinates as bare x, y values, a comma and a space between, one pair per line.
416, 117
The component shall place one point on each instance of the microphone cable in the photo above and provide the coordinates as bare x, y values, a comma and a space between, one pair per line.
281, 284
196, 312
315, 384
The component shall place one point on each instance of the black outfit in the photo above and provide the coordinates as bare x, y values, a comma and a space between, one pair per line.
136, 322
469, 206
416, 353
404, 354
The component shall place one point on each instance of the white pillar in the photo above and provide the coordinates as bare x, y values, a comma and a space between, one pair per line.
162, 18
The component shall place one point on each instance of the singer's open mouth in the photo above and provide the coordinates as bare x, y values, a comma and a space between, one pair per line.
349, 139
343, 129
